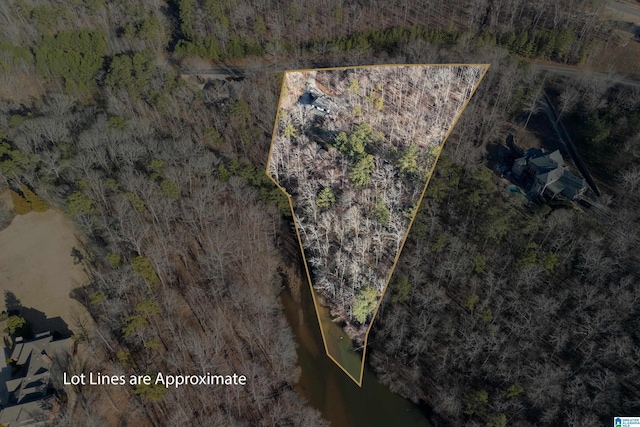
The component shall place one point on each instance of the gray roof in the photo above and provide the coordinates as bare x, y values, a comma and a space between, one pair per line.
26, 414
555, 188
549, 177
572, 185
522, 161
548, 160
35, 357
551, 174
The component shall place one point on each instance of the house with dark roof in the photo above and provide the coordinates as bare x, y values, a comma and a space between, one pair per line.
25, 394
545, 173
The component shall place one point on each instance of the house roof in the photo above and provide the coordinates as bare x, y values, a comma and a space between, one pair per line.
522, 161
548, 160
35, 357
551, 176
555, 188
25, 414
572, 185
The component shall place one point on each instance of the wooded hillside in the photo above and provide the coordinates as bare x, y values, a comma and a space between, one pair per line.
356, 168
184, 230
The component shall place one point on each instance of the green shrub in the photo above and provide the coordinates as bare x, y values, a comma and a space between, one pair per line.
325, 199
147, 307
37, 203
408, 162
117, 122
486, 315
113, 260
97, 298
498, 420
142, 266
476, 402
78, 203
132, 323
169, 189
153, 392
15, 323
364, 303
381, 212
136, 201
76, 57
471, 301
360, 174
290, 131
479, 262
515, 390
20, 205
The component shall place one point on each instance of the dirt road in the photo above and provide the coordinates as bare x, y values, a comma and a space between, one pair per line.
629, 9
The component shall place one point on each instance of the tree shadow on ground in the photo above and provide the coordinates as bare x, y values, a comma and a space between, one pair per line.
37, 320
625, 26
41, 323
11, 301
318, 134
77, 256
81, 323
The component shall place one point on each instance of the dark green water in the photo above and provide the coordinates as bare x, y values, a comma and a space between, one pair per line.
339, 345
330, 390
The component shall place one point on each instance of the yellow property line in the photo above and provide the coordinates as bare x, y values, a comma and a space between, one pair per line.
395, 262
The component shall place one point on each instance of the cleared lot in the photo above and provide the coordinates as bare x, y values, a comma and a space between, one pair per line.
36, 265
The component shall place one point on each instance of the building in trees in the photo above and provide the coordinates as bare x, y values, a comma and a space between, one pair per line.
29, 388
546, 173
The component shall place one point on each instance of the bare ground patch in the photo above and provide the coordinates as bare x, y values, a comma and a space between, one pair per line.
38, 268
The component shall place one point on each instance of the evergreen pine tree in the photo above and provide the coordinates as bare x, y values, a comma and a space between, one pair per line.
20, 205
36, 202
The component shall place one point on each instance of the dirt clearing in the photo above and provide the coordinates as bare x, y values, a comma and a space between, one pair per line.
36, 264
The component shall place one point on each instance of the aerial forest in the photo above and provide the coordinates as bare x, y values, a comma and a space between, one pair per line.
354, 149
500, 312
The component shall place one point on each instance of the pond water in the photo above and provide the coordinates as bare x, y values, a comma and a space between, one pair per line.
339, 345
329, 389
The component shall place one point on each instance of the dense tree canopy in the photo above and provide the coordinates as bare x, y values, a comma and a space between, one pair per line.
499, 314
